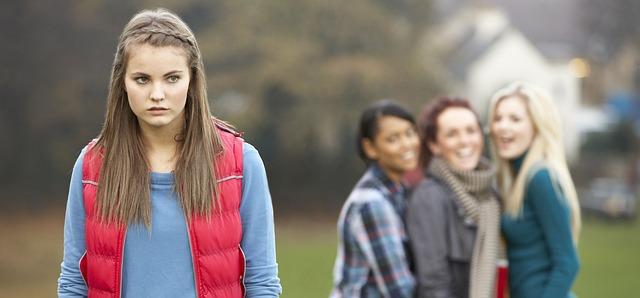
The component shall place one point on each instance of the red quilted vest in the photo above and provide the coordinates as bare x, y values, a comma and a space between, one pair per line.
218, 261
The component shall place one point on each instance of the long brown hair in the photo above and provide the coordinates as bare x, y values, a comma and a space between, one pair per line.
124, 190
428, 123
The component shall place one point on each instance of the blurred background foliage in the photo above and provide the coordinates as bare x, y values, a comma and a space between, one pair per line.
293, 75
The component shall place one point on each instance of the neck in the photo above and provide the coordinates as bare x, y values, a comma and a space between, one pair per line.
394, 176
160, 147
517, 162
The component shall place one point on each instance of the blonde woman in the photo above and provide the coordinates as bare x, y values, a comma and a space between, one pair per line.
168, 201
541, 219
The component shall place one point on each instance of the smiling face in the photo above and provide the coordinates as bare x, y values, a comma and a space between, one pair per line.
157, 83
394, 147
458, 139
512, 130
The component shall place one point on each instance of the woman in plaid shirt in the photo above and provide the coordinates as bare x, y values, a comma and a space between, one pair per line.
372, 258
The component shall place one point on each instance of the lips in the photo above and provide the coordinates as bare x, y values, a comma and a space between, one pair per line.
157, 111
408, 155
465, 152
504, 141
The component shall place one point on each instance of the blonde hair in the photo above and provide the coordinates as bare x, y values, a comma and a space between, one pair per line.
546, 150
123, 193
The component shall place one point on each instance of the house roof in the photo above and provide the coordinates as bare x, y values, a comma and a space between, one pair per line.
470, 50
553, 27
474, 33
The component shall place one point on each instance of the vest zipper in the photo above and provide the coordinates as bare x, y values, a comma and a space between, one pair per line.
124, 240
193, 263
244, 272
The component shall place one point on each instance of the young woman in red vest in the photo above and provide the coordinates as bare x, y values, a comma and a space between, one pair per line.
168, 201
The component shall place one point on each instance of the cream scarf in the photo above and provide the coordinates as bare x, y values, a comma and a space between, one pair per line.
472, 191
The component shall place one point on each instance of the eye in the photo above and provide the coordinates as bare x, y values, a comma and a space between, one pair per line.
450, 133
173, 79
392, 138
141, 80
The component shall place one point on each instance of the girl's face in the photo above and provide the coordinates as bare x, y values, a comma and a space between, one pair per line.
394, 147
511, 128
458, 139
157, 82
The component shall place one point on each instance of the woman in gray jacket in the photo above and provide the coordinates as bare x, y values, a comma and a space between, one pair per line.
453, 214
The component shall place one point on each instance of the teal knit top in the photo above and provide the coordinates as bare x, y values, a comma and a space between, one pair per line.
543, 262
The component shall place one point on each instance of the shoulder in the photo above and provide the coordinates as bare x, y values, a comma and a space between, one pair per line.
542, 186
539, 176
251, 158
369, 198
431, 185
225, 128
78, 165
376, 211
230, 139
249, 150
429, 192
83, 151
367, 195
90, 160
92, 148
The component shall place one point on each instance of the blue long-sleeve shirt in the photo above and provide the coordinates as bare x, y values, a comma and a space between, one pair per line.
543, 262
157, 262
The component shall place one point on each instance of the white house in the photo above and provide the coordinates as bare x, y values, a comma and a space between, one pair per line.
485, 52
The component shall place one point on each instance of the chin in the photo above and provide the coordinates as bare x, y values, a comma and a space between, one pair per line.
508, 155
465, 167
158, 122
471, 167
410, 167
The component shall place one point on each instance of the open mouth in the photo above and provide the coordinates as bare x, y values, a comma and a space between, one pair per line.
409, 155
465, 152
504, 141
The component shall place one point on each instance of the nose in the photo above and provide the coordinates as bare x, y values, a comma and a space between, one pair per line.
157, 94
499, 125
465, 138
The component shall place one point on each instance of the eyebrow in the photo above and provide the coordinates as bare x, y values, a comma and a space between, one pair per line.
173, 72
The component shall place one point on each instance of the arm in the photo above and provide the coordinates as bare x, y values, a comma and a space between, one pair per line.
426, 224
378, 231
258, 236
554, 217
70, 282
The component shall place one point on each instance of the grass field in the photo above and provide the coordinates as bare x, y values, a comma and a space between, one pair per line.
31, 250
609, 252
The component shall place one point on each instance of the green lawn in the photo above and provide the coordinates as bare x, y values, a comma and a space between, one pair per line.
31, 250
305, 258
609, 252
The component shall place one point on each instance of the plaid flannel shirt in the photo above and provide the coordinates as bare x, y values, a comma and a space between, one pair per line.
372, 258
